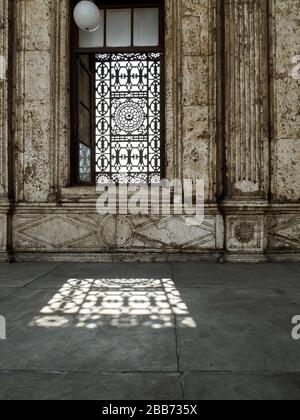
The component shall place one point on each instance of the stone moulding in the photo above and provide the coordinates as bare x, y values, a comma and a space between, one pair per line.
55, 231
70, 229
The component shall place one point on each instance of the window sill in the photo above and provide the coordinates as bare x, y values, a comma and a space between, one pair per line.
77, 193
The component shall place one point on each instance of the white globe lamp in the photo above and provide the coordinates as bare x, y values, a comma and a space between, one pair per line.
87, 16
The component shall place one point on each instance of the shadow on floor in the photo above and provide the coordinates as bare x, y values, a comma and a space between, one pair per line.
149, 331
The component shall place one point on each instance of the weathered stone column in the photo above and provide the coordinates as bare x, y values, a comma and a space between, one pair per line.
4, 202
246, 124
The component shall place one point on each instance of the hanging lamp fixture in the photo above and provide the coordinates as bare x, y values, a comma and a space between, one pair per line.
87, 16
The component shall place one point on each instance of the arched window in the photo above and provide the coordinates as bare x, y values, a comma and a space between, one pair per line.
117, 95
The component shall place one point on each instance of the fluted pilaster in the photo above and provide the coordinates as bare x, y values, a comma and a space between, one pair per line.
246, 98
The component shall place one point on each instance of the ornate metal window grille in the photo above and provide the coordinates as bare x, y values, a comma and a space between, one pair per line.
128, 118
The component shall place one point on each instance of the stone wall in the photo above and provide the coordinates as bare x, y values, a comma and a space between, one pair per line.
286, 97
283, 223
4, 110
232, 118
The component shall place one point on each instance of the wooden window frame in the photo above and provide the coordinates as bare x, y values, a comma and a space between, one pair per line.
76, 52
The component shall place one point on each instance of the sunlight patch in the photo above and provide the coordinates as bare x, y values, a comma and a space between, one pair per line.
91, 303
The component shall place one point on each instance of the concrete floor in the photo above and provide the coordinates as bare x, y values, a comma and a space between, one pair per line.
149, 331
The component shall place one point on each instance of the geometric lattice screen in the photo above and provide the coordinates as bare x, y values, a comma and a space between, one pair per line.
128, 116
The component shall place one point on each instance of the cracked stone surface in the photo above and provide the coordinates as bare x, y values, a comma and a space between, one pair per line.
149, 331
